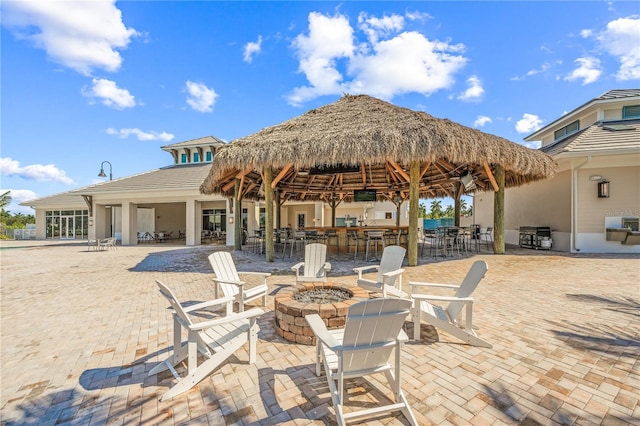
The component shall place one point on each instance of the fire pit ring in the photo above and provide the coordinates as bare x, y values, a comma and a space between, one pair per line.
292, 304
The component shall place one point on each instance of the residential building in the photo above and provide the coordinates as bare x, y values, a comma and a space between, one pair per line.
592, 204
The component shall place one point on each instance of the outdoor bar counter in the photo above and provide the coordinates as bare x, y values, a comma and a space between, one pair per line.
391, 233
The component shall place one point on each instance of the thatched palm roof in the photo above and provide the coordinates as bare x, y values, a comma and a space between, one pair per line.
370, 144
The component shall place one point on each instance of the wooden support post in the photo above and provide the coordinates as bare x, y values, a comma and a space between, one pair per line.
237, 216
414, 201
498, 212
268, 226
456, 205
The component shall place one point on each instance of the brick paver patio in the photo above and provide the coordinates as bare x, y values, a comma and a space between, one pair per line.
80, 330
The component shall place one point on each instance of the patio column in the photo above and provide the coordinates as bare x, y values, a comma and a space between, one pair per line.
268, 226
237, 216
498, 212
414, 201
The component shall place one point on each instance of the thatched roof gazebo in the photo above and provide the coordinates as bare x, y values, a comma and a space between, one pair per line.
360, 142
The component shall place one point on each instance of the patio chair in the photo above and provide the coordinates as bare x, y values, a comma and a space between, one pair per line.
315, 265
216, 339
389, 278
372, 331
447, 318
228, 280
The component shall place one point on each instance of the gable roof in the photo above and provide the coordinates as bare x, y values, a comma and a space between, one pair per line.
610, 137
187, 177
609, 96
204, 141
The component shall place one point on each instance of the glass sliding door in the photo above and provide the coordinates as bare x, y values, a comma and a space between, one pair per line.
67, 227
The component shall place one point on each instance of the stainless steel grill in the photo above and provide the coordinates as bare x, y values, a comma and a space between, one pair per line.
536, 237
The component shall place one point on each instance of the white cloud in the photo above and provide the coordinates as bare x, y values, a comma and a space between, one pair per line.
380, 27
621, 39
589, 70
385, 65
38, 172
141, 135
18, 196
251, 49
481, 121
528, 123
475, 90
81, 35
110, 94
201, 98
329, 39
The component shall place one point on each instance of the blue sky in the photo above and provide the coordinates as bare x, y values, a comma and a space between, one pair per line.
84, 82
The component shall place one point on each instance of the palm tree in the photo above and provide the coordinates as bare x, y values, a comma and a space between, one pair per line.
5, 199
436, 209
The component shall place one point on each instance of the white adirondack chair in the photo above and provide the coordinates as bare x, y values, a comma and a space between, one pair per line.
228, 280
216, 339
315, 265
389, 278
447, 318
372, 331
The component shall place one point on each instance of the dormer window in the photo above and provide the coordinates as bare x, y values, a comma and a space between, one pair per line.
567, 130
196, 157
208, 156
183, 158
631, 111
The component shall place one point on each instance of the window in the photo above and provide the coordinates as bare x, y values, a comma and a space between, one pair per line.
196, 157
631, 111
208, 156
567, 130
183, 159
214, 220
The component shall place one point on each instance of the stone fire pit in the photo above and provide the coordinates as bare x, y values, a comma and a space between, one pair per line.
324, 299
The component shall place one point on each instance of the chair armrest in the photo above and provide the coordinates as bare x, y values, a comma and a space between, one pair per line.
251, 313
392, 273
420, 284
234, 282
264, 274
361, 269
441, 298
319, 328
214, 302
327, 266
297, 266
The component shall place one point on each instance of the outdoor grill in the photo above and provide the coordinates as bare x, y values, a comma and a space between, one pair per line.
535, 237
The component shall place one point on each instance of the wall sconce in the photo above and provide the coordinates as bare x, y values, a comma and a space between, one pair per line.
231, 219
603, 189
90, 222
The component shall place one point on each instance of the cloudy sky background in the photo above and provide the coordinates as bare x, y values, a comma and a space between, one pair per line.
84, 82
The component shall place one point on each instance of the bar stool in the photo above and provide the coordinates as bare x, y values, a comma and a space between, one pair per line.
353, 239
331, 238
375, 238
487, 237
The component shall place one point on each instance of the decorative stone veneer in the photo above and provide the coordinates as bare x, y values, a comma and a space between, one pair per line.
290, 322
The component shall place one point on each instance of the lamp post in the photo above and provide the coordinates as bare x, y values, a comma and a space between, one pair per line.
102, 174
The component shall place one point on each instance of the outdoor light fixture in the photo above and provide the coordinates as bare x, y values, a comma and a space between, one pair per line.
603, 189
467, 182
231, 219
102, 174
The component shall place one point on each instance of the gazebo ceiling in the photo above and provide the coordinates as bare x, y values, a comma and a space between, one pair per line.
360, 142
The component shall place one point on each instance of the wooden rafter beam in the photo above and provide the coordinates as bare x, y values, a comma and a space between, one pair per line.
424, 169
281, 175
399, 170
492, 178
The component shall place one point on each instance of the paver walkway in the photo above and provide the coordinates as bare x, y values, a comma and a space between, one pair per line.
80, 330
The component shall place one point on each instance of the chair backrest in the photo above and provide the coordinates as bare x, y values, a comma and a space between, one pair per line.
372, 324
225, 269
471, 280
175, 304
315, 256
392, 257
